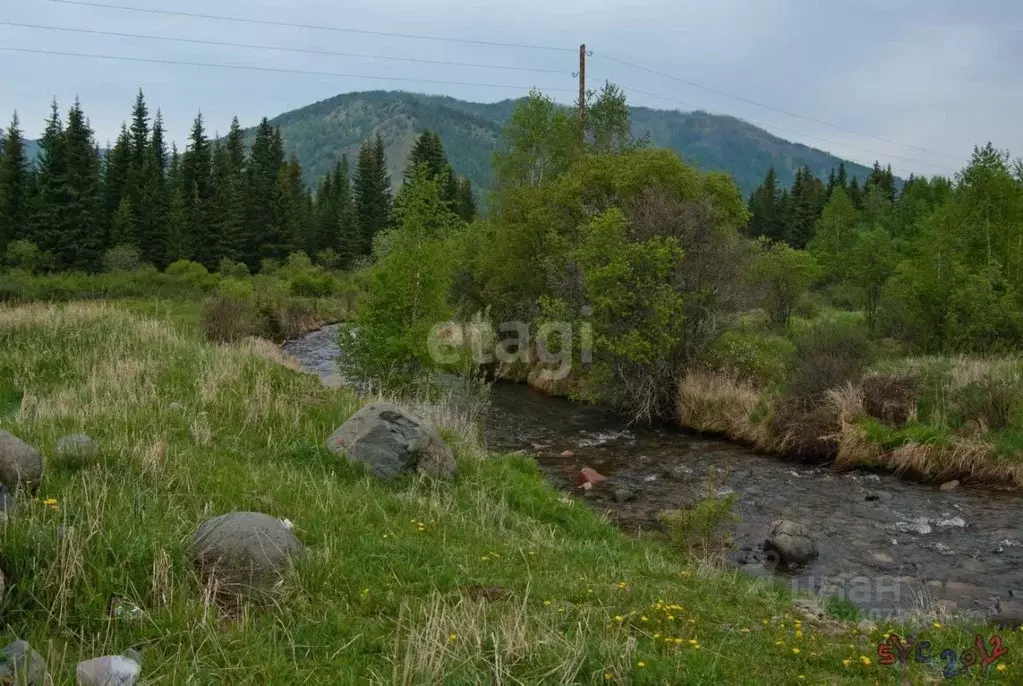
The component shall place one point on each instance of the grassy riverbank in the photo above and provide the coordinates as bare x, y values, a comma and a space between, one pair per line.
818, 397
494, 577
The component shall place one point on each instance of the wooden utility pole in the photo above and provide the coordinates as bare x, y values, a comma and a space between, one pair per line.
582, 83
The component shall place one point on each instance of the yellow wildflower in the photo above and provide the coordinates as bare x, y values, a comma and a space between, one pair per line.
1001, 667
546, 603
865, 660
619, 618
799, 633
795, 651
744, 630
453, 637
847, 662
641, 664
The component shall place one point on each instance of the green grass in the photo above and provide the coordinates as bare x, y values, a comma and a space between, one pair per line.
494, 577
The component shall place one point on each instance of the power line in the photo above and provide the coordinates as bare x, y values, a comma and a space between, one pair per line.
279, 70
771, 107
881, 155
280, 48
338, 29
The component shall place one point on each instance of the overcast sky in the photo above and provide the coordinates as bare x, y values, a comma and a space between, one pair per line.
918, 81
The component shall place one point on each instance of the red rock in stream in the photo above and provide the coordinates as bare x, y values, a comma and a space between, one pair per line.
589, 476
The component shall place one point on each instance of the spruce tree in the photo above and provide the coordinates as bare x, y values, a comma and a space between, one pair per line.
118, 171
196, 172
372, 193
765, 209
139, 132
78, 242
51, 170
347, 232
465, 201
235, 144
291, 209
14, 185
153, 199
122, 225
226, 209
262, 169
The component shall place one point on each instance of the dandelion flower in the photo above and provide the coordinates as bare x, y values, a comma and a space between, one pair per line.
678, 641
799, 633
847, 662
608, 676
643, 618
779, 643
795, 651
656, 636
546, 603
865, 660
619, 618
453, 637
937, 625
641, 664
744, 630
1001, 667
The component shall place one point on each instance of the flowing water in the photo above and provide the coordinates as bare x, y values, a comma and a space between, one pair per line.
889, 546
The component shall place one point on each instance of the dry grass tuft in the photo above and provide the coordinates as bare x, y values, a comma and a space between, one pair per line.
719, 404
442, 635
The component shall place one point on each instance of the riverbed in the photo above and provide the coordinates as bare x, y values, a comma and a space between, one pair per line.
888, 545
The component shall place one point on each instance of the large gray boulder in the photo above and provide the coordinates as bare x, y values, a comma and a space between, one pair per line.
391, 442
76, 448
20, 463
790, 544
110, 670
21, 666
248, 553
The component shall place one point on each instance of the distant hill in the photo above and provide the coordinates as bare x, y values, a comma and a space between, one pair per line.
318, 133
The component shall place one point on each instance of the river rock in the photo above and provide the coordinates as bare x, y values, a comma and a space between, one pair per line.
566, 453
110, 670
624, 495
20, 463
949, 485
78, 447
791, 543
589, 476
391, 443
21, 665
247, 552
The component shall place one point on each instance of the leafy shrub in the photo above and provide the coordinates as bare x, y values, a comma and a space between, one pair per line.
827, 355
891, 396
229, 269
225, 319
783, 275
704, 526
191, 274
25, 255
988, 401
122, 258
760, 359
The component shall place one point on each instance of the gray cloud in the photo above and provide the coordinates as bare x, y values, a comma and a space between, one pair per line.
940, 75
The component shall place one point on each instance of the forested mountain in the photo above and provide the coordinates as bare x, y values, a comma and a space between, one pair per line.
317, 134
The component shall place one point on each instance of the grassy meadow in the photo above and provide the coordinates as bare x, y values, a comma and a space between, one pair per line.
493, 578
